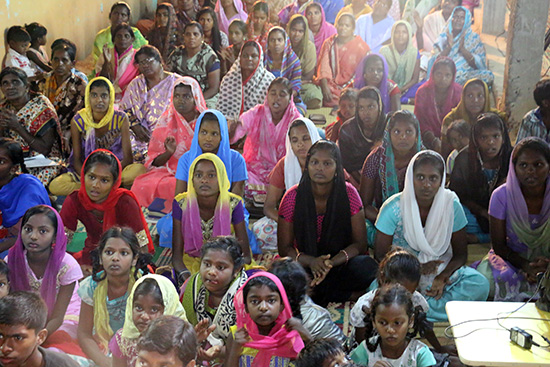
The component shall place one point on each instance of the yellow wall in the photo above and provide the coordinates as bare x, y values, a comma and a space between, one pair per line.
77, 20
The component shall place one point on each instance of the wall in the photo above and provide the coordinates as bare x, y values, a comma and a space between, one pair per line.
77, 20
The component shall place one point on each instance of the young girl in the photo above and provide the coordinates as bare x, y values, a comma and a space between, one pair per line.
36, 52
458, 136
207, 209
100, 203
258, 23
316, 319
390, 318
213, 36
4, 279
38, 262
209, 294
227, 11
167, 33
237, 35
104, 294
151, 297
318, 25
266, 333
373, 72
346, 110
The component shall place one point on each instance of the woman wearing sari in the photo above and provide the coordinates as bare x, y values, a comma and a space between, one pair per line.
403, 60
227, 10
30, 119
435, 99
337, 60
372, 71
464, 46
171, 138
167, 33
295, 7
318, 25
281, 60
428, 221
519, 211
206, 210
117, 63
146, 98
247, 77
304, 48
265, 127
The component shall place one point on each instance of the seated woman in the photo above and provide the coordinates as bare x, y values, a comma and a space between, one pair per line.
322, 226
304, 48
118, 63
281, 60
146, 98
18, 192
355, 7
167, 33
403, 60
359, 135
237, 37
435, 99
293, 8
265, 127
302, 133
479, 170
247, 77
229, 10
197, 60
474, 101
206, 210
383, 173
98, 126
65, 89
518, 214
318, 25
213, 35
258, 23
170, 140
337, 60
427, 220
120, 13
464, 46
30, 119
101, 204
372, 71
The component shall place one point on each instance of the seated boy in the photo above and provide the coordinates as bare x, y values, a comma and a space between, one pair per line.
537, 122
168, 342
323, 353
19, 42
23, 329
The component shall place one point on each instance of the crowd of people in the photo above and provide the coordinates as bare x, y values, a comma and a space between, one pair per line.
200, 115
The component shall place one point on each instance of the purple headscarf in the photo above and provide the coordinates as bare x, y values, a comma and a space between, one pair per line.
16, 263
383, 87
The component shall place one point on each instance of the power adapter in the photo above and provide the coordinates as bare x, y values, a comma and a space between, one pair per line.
522, 338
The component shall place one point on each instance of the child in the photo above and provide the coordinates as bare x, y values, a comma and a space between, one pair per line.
316, 319
19, 41
346, 110
104, 294
398, 267
321, 353
458, 135
23, 318
391, 315
258, 23
101, 203
537, 121
265, 333
209, 294
168, 341
36, 52
38, 262
151, 297
4, 279
237, 35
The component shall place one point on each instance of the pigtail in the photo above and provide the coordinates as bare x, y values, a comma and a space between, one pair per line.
143, 264
22, 165
372, 338
421, 324
96, 266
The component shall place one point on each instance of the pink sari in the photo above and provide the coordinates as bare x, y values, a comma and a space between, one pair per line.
160, 182
223, 22
325, 31
265, 141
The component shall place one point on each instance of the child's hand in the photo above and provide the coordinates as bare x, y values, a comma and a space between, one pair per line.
241, 336
382, 364
295, 324
449, 349
430, 267
210, 353
86, 270
203, 329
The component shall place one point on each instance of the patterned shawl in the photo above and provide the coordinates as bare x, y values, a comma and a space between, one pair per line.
305, 50
290, 66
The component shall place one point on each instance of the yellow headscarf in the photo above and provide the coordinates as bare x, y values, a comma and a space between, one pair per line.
401, 66
86, 112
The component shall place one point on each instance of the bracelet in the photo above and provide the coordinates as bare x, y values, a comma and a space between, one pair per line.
298, 256
347, 256
180, 274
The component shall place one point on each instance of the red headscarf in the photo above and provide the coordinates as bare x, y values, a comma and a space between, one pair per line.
108, 206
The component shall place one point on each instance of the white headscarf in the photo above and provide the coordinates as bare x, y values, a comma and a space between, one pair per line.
433, 241
293, 171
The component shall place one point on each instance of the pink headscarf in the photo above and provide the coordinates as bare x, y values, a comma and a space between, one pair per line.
17, 264
223, 22
280, 342
325, 31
